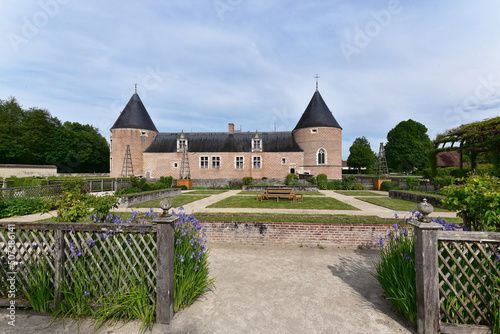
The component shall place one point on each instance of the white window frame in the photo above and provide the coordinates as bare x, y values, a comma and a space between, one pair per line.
284, 161
181, 143
216, 158
175, 164
242, 162
204, 162
315, 130
324, 157
256, 144
258, 159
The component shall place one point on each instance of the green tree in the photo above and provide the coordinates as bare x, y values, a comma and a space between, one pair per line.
360, 154
406, 146
33, 136
477, 200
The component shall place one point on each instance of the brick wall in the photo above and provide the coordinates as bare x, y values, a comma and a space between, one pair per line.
335, 235
138, 140
329, 139
162, 164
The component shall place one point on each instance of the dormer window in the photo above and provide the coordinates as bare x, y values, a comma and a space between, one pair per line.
256, 143
182, 143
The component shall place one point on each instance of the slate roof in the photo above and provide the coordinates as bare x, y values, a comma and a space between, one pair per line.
134, 116
317, 114
225, 142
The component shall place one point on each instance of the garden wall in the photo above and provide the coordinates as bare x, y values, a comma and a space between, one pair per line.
336, 235
132, 199
435, 201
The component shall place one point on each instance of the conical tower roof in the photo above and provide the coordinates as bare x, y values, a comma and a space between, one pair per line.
317, 114
134, 116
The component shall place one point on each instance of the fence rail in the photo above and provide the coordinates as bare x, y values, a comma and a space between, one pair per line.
458, 279
99, 258
30, 192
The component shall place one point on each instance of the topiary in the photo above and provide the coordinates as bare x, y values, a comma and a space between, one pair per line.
322, 177
290, 177
334, 185
247, 180
358, 186
388, 185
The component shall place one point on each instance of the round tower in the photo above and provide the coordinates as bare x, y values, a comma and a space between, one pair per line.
319, 135
131, 134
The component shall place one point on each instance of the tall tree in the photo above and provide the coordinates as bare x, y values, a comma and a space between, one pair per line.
406, 146
33, 136
360, 154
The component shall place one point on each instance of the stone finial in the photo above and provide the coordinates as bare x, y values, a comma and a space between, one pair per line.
425, 209
166, 204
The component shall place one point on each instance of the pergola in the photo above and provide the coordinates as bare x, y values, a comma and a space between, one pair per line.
475, 137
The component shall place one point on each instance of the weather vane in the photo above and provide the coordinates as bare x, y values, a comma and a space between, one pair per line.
317, 77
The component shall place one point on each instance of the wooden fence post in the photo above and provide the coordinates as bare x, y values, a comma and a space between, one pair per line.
426, 263
165, 268
59, 263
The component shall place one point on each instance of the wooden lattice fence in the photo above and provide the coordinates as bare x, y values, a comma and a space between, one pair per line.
105, 258
458, 279
30, 192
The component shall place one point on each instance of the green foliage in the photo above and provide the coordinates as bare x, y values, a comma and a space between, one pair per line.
313, 180
290, 178
39, 288
191, 261
406, 146
102, 205
72, 205
358, 186
166, 180
322, 184
125, 191
23, 206
412, 183
247, 180
360, 154
321, 177
334, 185
14, 181
396, 270
264, 178
388, 185
33, 136
477, 200
348, 182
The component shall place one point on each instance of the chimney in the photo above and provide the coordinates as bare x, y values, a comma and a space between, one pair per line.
231, 127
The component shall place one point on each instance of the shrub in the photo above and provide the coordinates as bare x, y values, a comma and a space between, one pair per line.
313, 180
358, 186
477, 200
247, 180
125, 191
290, 178
264, 178
23, 206
322, 177
412, 183
166, 180
388, 185
322, 184
348, 182
334, 185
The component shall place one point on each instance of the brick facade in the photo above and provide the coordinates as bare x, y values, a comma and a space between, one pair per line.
138, 140
336, 235
162, 164
311, 140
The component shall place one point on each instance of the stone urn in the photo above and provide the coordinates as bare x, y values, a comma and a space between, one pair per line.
425, 209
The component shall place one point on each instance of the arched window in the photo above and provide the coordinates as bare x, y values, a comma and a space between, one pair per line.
321, 156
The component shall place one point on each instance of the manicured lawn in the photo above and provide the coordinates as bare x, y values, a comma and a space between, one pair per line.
358, 193
423, 193
203, 192
290, 218
254, 192
320, 203
395, 204
176, 201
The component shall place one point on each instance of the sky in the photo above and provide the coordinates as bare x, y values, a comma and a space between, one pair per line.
202, 64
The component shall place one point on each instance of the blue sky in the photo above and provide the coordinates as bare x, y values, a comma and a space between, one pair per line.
200, 65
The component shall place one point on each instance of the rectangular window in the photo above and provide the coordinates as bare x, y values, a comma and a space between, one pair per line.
257, 144
215, 162
239, 161
181, 143
204, 162
256, 163
283, 161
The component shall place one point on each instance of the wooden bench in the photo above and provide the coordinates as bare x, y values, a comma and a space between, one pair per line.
280, 192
